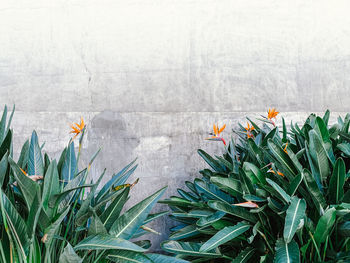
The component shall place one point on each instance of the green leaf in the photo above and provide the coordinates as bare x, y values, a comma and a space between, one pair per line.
211, 161
325, 225
322, 130
69, 164
96, 226
211, 191
285, 197
345, 148
103, 242
28, 187
244, 255
188, 248
336, 184
51, 186
250, 168
3, 124
52, 229
3, 169
287, 252
233, 210
294, 216
229, 185
282, 158
319, 155
316, 195
225, 235
35, 161
69, 255
294, 184
123, 256
159, 258
185, 232
23, 157
16, 225
205, 221
127, 224
344, 229
110, 215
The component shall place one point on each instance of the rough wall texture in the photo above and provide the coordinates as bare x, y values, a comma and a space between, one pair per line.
150, 77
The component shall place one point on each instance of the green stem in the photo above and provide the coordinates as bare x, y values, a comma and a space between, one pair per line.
316, 247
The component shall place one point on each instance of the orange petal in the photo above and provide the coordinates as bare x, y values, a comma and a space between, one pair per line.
248, 204
215, 128
222, 128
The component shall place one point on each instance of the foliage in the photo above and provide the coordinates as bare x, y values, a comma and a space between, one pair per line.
51, 213
273, 196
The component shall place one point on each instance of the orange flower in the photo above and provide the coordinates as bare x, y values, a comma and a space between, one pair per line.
285, 148
216, 135
248, 204
249, 130
78, 128
272, 113
272, 171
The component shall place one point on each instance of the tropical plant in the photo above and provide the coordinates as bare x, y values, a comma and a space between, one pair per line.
273, 196
50, 213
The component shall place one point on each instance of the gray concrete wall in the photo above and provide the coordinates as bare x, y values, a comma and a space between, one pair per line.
150, 77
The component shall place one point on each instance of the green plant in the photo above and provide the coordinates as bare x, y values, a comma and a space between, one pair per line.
273, 196
50, 213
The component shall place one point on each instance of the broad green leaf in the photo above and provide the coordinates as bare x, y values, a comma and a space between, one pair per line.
188, 248
322, 130
103, 242
225, 235
23, 157
287, 252
211, 161
35, 160
110, 215
294, 216
51, 186
205, 221
96, 227
28, 187
345, 148
69, 164
6, 145
325, 225
284, 196
233, 210
127, 224
282, 158
212, 191
69, 255
336, 184
229, 185
244, 256
3, 124
3, 169
154, 216
344, 229
123, 256
16, 225
250, 168
159, 258
294, 184
52, 229
316, 195
186, 232
319, 155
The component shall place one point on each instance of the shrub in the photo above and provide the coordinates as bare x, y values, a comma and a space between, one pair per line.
50, 213
281, 196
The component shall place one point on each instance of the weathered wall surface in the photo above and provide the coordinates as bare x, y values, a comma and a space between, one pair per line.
150, 77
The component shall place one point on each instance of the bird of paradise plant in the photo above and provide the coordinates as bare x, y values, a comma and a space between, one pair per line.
240, 211
46, 216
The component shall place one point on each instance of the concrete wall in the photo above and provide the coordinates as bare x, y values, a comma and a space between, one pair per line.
151, 76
